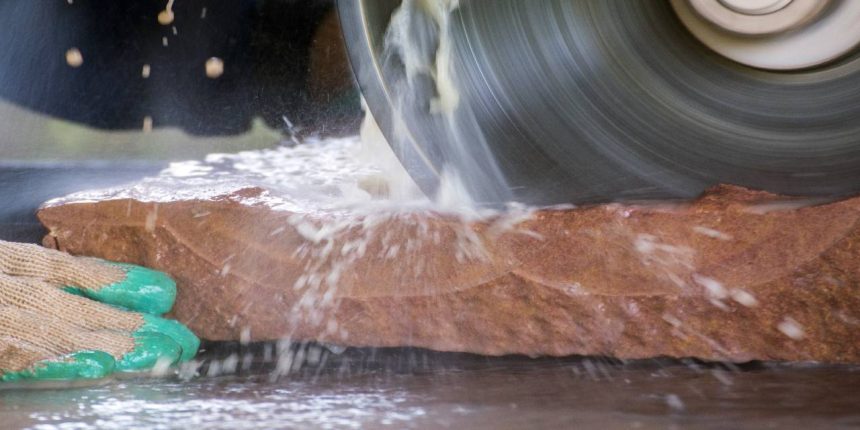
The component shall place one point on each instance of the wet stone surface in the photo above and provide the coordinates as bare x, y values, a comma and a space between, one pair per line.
406, 388
291, 243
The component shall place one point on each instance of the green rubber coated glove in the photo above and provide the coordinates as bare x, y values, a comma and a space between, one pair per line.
65, 317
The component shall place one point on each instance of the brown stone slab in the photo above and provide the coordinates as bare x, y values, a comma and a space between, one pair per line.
735, 275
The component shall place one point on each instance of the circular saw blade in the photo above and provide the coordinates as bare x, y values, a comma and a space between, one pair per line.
597, 100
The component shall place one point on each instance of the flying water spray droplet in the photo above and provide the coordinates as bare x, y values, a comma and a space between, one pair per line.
791, 328
147, 124
74, 57
214, 68
166, 16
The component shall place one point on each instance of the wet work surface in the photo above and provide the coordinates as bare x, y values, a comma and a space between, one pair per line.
419, 389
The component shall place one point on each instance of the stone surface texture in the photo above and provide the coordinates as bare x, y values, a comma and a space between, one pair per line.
735, 275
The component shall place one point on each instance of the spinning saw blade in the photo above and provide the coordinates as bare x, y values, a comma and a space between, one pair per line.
573, 101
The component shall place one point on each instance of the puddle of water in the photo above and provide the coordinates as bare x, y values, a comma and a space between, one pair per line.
418, 389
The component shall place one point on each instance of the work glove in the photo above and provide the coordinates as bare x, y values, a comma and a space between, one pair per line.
65, 317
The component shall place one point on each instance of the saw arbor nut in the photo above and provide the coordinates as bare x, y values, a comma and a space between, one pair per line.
761, 17
774, 34
65, 317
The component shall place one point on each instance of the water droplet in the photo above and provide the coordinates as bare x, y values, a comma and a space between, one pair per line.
74, 57
675, 402
214, 67
791, 328
147, 124
166, 16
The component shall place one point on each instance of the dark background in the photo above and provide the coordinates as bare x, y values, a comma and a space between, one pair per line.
283, 58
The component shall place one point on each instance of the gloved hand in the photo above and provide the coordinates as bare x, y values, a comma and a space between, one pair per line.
65, 317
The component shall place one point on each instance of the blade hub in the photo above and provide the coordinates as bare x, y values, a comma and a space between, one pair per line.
774, 34
758, 17
755, 7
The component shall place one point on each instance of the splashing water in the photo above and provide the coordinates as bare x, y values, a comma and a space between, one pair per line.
418, 53
353, 392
